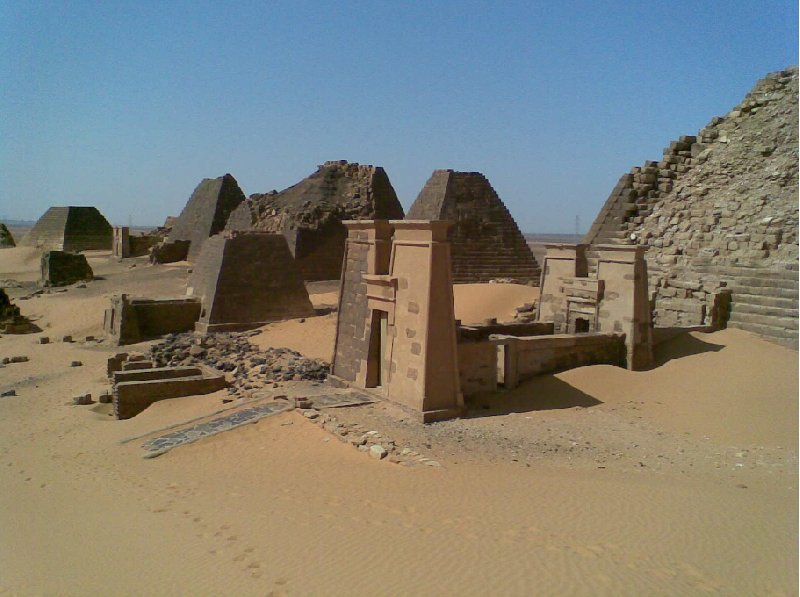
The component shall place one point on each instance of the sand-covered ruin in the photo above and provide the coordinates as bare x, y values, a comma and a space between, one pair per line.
307, 393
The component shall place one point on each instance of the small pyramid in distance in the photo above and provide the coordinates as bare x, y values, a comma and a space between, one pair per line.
70, 228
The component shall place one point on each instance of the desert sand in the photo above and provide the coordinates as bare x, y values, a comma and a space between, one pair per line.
681, 480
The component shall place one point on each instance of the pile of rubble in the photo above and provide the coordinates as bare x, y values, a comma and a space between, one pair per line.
249, 367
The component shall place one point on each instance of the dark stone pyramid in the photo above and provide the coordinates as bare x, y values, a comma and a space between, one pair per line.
246, 279
70, 229
206, 212
486, 242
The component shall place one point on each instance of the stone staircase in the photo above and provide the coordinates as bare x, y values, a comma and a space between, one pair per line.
764, 301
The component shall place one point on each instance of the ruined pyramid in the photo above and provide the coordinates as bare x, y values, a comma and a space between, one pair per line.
310, 213
719, 215
247, 279
206, 212
485, 241
70, 229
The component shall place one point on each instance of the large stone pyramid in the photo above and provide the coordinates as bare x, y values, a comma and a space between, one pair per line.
247, 279
486, 242
206, 212
719, 214
310, 213
70, 229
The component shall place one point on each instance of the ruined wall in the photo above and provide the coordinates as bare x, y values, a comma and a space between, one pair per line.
128, 321
485, 241
720, 211
207, 211
310, 213
246, 279
547, 354
70, 229
59, 268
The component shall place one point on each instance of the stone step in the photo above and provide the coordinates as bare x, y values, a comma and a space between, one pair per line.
787, 323
782, 272
784, 336
766, 291
766, 310
764, 301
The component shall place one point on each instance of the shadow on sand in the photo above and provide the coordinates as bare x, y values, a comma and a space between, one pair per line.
682, 345
545, 392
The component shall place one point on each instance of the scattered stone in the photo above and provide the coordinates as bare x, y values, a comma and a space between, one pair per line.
67, 339
105, 398
310, 414
82, 400
18, 359
377, 451
44, 340
11, 392
76, 364
90, 338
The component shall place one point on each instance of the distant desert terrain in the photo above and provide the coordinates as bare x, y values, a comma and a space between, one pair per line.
679, 480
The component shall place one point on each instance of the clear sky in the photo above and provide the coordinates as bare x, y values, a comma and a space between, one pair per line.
128, 105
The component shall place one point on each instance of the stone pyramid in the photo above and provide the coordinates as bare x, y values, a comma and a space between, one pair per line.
70, 229
6, 239
206, 212
247, 279
486, 242
310, 213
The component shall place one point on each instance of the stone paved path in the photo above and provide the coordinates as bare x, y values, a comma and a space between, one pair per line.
164, 443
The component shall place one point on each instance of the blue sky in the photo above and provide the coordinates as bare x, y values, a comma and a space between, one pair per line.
127, 105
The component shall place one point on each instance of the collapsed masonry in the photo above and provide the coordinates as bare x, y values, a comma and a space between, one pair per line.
310, 213
70, 229
247, 279
396, 333
60, 268
205, 214
485, 241
719, 213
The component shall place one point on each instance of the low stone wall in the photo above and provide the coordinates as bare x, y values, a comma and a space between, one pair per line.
479, 361
534, 356
150, 373
128, 321
132, 397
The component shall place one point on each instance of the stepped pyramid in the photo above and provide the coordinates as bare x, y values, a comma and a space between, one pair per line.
310, 213
719, 213
206, 212
485, 241
70, 229
247, 279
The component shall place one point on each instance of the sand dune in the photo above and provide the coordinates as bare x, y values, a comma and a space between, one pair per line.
681, 480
